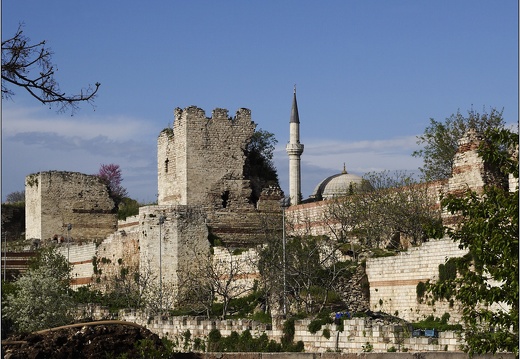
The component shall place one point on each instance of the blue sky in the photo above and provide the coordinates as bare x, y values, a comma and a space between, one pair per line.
369, 76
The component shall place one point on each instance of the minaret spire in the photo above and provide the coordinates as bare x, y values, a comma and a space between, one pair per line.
294, 150
294, 110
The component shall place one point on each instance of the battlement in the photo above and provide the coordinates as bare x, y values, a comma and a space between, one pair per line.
201, 160
193, 113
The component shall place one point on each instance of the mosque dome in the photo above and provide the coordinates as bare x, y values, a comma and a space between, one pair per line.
338, 185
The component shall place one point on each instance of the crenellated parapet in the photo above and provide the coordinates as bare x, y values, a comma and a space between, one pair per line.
201, 160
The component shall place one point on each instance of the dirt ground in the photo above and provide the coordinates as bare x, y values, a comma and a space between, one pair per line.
96, 341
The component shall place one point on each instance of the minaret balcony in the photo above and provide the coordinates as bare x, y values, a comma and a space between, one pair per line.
294, 149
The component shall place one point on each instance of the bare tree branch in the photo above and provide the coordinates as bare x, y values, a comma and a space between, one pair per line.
30, 67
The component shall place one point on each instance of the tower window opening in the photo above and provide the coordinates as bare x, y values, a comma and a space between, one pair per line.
166, 165
225, 199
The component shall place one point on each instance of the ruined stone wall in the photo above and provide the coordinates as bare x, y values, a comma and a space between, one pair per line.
54, 199
33, 207
239, 266
80, 256
201, 160
171, 246
116, 257
468, 168
393, 280
309, 219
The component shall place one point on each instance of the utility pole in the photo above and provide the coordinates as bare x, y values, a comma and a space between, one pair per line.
69, 227
5, 255
284, 203
161, 221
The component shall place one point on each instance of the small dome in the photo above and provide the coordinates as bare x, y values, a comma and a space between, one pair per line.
338, 185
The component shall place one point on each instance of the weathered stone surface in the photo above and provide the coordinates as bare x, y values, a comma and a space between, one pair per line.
54, 199
201, 160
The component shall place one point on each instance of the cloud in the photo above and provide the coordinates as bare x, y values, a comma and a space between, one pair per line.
34, 142
21, 120
322, 158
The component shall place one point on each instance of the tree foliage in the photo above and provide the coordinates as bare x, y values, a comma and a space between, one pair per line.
395, 205
487, 280
112, 176
312, 270
128, 207
41, 299
15, 197
29, 66
440, 140
259, 167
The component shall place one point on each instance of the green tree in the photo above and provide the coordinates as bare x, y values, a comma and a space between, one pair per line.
127, 208
29, 66
440, 140
259, 167
487, 282
41, 299
16, 197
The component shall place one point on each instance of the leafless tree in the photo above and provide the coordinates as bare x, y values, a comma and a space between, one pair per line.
213, 279
397, 205
29, 66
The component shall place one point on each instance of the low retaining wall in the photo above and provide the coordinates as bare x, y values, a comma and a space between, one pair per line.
350, 343
442, 355
358, 334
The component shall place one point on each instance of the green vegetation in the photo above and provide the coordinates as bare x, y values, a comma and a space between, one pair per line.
259, 166
40, 297
421, 290
127, 207
246, 343
440, 324
324, 317
440, 140
489, 230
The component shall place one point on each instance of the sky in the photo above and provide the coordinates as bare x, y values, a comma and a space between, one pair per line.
369, 76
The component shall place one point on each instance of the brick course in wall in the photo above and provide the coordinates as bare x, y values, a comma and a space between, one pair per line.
393, 280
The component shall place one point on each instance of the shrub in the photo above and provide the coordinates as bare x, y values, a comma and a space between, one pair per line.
420, 289
326, 333
314, 326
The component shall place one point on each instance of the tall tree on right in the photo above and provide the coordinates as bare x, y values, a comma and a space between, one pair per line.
486, 284
440, 139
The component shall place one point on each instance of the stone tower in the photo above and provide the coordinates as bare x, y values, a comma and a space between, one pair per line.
294, 150
55, 199
201, 160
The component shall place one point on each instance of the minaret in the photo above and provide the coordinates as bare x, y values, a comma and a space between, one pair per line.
294, 150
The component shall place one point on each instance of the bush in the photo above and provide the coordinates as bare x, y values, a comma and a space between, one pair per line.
314, 326
435, 323
326, 333
420, 289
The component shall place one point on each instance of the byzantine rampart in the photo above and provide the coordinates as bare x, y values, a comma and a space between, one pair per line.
80, 256
356, 335
201, 160
55, 199
203, 193
393, 280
